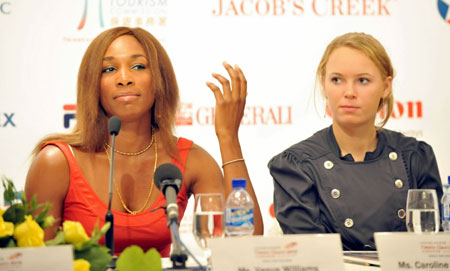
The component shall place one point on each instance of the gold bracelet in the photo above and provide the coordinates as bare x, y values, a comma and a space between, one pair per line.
232, 161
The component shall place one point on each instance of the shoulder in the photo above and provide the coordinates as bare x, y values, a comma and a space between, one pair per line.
51, 156
398, 141
49, 168
311, 148
198, 155
198, 159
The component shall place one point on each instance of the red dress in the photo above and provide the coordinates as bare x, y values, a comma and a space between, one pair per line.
145, 229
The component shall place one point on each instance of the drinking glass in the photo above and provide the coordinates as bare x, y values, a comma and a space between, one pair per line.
208, 220
422, 211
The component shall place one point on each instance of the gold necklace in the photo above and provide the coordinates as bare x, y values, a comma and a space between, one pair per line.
133, 153
151, 187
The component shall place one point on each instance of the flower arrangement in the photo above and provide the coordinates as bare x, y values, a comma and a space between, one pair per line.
22, 224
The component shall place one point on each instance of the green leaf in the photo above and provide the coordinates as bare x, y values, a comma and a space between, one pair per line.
97, 255
23, 197
40, 218
134, 259
153, 259
15, 214
131, 259
9, 193
58, 240
7, 241
96, 235
11, 243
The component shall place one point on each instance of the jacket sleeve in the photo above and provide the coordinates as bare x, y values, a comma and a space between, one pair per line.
424, 168
296, 201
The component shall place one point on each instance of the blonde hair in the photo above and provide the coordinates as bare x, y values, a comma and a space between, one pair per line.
372, 48
90, 131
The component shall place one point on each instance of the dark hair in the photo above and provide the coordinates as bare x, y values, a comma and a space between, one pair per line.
90, 131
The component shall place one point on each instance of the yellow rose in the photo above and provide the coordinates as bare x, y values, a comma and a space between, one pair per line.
74, 232
29, 233
2, 212
81, 265
6, 228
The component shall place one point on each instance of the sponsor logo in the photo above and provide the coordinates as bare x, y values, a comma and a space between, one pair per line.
291, 245
69, 114
132, 13
188, 115
5, 8
300, 7
289, 249
253, 115
15, 256
6, 120
272, 210
443, 7
401, 110
84, 16
410, 110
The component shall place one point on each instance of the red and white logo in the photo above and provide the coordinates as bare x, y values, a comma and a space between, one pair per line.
301, 7
253, 115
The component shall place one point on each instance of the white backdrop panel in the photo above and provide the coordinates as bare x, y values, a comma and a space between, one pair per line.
277, 43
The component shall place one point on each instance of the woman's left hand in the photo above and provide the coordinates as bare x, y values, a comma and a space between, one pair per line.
230, 103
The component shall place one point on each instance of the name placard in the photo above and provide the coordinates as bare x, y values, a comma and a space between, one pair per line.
53, 258
293, 252
401, 251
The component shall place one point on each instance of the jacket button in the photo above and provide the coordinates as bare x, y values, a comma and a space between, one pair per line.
398, 183
393, 156
348, 222
401, 213
335, 193
328, 164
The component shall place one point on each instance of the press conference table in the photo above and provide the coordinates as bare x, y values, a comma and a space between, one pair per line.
353, 261
361, 261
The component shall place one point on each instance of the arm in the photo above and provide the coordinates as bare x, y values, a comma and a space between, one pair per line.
48, 179
424, 169
296, 200
230, 105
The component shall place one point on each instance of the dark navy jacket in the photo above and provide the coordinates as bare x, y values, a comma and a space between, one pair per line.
318, 191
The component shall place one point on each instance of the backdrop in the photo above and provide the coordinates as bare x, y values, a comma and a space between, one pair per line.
278, 44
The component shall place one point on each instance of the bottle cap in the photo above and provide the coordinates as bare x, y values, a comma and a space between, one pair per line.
239, 183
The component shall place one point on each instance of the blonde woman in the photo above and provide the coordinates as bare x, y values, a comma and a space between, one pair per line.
352, 178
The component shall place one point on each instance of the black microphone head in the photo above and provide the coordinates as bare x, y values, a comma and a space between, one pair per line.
168, 174
114, 125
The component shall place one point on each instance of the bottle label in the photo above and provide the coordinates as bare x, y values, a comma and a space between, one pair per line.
235, 217
445, 212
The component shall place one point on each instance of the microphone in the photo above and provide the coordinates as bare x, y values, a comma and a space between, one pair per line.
113, 128
168, 179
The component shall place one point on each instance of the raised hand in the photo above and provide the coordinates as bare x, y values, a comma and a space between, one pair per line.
230, 101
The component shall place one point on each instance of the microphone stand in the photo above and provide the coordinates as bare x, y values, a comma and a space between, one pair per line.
178, 255
109, 217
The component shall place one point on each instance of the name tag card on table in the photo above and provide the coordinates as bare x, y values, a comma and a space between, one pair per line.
311, 252
411, 251
53, 258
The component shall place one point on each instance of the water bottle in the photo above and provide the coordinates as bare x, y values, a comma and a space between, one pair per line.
239, 210
445, 203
